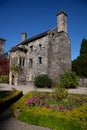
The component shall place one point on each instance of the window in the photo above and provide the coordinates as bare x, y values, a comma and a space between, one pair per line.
31, 48
40, 60
40, 46
53, 36
30, 63
22, 62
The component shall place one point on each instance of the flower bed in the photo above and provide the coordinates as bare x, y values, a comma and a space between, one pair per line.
36, 101
40, 109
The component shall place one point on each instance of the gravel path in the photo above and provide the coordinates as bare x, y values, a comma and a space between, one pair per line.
9, 123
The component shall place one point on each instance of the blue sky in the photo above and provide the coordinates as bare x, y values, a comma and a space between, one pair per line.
37, 16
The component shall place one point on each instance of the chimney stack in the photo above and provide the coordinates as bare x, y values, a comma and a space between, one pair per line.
62, 21
24, 36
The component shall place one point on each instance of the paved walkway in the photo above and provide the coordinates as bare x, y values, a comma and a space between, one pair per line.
24, 88
9, 123
30, 87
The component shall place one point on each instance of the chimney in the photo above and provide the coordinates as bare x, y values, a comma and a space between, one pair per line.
24, 36
2, 45
62, 22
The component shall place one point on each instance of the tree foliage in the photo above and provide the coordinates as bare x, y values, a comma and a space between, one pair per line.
79, 65
83, 49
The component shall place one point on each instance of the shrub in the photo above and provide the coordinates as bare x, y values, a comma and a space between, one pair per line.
4, 79
60, 93
69, 80
43, 81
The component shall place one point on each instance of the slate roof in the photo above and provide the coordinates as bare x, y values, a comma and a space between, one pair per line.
30, 39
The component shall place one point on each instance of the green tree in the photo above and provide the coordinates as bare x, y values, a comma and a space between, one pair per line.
83, 49
79, 66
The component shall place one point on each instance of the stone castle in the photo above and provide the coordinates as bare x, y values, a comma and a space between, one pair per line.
47, 53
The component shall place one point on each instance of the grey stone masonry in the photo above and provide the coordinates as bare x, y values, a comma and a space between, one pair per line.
37, 62
47, 53
59, 54
83, 82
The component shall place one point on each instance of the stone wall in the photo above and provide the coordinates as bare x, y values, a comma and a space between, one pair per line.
16, 78
37, 62
59, 58
50, 55
83, 82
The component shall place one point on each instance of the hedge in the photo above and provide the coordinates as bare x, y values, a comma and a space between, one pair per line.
6, 102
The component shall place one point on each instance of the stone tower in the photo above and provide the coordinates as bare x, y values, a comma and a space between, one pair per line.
62, 21
59, 58
2, 45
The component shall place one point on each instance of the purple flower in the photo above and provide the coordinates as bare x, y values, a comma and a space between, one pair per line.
36, 101
33, 101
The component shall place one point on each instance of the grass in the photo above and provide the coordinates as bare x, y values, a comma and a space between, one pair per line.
75, 118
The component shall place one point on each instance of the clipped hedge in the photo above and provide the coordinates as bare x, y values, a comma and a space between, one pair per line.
6, 102
70, 120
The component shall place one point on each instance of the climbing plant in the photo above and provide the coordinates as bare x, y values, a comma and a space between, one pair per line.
15, 68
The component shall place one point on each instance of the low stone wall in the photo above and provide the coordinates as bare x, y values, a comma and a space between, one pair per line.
83, 82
